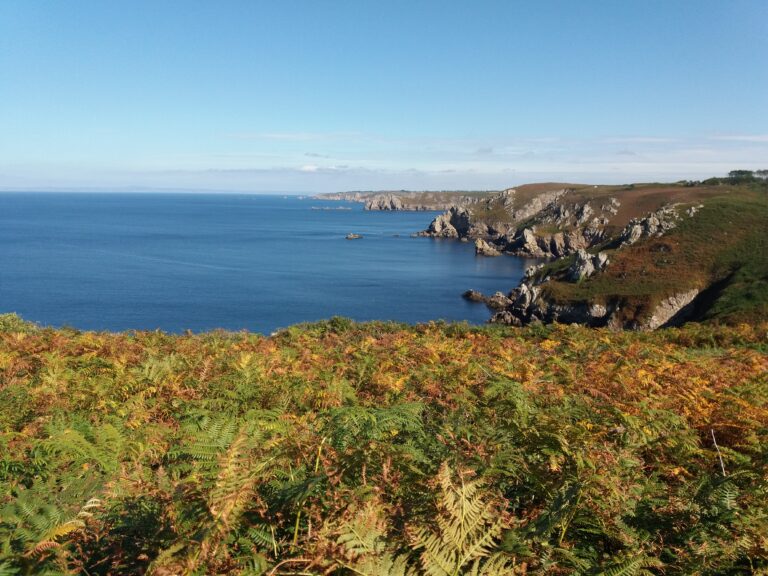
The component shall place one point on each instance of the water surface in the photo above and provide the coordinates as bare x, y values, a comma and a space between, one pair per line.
204, 261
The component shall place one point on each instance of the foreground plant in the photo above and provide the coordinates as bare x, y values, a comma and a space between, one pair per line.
338, 448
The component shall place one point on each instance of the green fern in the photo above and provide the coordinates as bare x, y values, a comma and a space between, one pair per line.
229, 461
366, 549
37, 533
469, 525
99, 446
357, 426
208, 438
635, 565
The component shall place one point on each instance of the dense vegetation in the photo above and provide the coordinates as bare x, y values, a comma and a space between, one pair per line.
740, 177
375, 449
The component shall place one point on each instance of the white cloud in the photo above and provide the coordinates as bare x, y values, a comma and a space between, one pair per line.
415, 163
741, 138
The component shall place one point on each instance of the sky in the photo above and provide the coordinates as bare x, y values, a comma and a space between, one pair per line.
320, 95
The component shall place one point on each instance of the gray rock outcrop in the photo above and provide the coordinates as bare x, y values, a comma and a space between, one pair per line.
691, 211
384, 202
473, 296
454, 223
585, 265
612, 207
498, 301
667, 309
653, 225
529, 305
483, 248
533, 206
528, 243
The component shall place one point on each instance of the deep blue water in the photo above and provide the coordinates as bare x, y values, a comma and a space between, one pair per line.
203, 261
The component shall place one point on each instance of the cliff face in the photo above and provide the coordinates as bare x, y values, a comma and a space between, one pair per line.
581, 228
384, 202
454, 223
530, 302
549, 224
637, 256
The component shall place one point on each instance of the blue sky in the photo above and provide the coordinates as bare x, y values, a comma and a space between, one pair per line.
337, 95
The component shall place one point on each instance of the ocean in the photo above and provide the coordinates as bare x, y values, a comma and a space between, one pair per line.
175, 262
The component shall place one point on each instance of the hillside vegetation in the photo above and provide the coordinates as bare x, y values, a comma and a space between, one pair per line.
635, 256
722, 251
382, 449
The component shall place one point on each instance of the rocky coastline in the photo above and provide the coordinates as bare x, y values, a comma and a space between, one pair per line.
574, 235
608, 255
402, 200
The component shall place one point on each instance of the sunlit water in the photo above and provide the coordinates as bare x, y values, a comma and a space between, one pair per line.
203, 261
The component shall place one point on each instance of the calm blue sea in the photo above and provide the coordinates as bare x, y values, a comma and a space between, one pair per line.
204, 261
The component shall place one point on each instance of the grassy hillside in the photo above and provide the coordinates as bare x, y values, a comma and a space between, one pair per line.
722, 250
636, 200
338, 448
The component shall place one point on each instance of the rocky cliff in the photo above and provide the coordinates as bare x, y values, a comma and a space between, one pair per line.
636, 256
532, 302
454, 223
384, 202
548, 224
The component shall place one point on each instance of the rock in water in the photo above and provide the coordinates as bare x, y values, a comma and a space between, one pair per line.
452, 224
483, 248
473, 296
498, 301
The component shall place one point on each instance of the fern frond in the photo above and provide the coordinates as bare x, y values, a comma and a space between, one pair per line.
366, 549
43, 547
6, 569
634, 566
261, 536
101, 446
164, 558
469, 526
385, 565
63, 529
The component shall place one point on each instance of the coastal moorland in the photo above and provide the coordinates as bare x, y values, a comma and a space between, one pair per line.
385, 449
384, 288
613, 420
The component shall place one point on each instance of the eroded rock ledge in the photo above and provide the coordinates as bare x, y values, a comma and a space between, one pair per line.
528, 303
